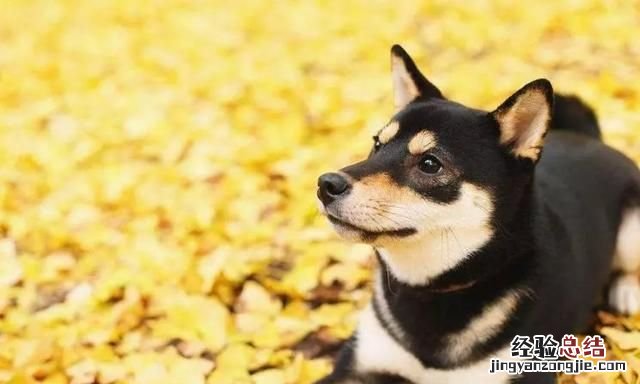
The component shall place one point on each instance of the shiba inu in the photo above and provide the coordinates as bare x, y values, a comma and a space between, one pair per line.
487, 225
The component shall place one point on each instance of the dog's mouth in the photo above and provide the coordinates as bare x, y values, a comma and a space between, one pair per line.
369, 234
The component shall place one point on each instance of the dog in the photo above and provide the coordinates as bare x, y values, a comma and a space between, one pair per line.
486, 225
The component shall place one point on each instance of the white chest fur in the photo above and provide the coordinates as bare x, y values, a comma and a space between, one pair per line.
377, 351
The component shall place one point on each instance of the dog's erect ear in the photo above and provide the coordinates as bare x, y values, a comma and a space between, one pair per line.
524, 119
408, 82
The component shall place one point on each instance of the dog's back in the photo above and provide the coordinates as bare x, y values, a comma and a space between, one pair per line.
573, 115
585, 191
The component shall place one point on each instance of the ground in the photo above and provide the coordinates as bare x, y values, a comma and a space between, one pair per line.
158, 222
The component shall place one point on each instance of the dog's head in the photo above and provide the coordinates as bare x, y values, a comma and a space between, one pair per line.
438, 165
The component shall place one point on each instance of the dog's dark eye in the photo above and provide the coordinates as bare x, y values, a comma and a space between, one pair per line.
430, 164
376, 144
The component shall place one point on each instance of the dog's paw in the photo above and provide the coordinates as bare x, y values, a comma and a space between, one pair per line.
624, 294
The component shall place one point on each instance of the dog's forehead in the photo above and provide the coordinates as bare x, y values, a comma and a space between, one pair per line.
429, 121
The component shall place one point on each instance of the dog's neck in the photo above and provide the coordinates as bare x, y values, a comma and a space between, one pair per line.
426, 318
473, 268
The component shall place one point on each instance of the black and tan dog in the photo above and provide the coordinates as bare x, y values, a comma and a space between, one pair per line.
481, 236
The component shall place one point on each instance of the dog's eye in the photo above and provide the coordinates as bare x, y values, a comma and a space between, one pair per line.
430, 164
376, 144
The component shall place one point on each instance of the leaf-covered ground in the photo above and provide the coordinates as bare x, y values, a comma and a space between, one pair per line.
158, 162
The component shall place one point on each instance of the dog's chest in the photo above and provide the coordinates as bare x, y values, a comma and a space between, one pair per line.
377, 351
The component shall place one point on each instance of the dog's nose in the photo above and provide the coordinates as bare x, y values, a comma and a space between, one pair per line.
332, 186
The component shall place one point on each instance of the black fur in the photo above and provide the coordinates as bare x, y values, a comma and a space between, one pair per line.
555, 227
570, 113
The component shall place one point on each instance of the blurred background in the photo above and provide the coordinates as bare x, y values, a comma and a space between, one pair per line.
158, 162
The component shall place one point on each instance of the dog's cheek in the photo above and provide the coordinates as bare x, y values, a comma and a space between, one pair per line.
473, 208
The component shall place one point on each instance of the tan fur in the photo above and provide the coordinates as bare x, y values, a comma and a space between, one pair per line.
380, 187
404, 89
484, 326
377, 351
525, 123
388, 132
422, 142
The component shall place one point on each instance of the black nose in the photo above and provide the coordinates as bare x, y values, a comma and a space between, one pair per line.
332, 186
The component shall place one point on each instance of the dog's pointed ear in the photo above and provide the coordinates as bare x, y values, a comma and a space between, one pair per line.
524, 119
408, 82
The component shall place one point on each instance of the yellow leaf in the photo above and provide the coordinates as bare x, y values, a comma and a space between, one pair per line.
625, 340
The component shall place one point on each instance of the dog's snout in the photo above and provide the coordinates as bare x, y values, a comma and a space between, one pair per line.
332, 186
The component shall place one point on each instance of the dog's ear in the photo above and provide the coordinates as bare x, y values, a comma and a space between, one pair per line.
524, 119
408, 82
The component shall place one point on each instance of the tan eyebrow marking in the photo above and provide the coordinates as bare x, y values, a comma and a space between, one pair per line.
421, 142
388, 132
